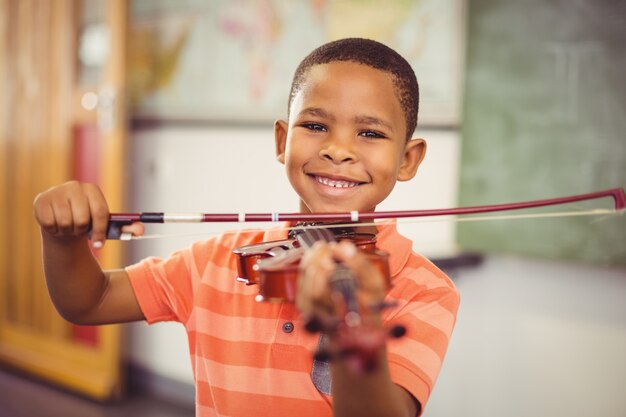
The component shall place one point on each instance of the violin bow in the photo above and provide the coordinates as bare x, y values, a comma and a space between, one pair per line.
118, 220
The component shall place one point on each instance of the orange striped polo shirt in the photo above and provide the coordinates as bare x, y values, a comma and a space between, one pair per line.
247, 362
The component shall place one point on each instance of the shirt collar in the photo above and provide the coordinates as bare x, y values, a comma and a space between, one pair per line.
397, 246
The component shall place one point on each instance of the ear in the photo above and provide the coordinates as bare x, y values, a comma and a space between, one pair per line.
414, 152
280, 137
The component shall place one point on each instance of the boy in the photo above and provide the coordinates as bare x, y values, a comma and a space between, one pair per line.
352, 111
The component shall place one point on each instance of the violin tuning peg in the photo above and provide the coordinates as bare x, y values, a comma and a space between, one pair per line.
317, 324
397, 331
313, 325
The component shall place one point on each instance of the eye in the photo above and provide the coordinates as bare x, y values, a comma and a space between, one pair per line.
372, 134
314, 127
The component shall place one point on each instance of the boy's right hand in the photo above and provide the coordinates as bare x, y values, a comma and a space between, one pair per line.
69, 211
81, 291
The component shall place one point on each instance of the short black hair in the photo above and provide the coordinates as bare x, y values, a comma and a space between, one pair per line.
373, 54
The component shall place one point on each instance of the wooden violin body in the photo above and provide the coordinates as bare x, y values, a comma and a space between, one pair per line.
274, 265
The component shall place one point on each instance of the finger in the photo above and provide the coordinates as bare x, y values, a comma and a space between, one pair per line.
64, 200
371, 282
80, 214
99, 211
63, 217
44, 214
304, 300
316, 267
319, 273
136, 229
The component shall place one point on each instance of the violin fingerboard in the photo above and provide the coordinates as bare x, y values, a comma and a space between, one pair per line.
309, 236
344, 283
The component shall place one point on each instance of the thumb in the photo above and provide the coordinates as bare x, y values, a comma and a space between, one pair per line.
371, 280
136, 229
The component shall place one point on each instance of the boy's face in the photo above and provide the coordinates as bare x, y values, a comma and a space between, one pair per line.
345, 146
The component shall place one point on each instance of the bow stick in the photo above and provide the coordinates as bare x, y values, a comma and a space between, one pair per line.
118, 220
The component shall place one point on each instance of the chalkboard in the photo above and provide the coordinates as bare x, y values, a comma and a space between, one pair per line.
545, 116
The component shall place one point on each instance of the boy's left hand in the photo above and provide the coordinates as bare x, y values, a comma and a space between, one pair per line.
316, 299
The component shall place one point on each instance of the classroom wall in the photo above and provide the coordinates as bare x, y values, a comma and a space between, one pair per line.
545, 100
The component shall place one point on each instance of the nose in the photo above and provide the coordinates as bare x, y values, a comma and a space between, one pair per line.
338, 150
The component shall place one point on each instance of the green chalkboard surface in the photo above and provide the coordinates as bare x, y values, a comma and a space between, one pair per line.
545, 116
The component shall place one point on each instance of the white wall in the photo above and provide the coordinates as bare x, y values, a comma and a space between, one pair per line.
536, 338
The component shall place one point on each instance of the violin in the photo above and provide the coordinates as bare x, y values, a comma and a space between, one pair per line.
274, 267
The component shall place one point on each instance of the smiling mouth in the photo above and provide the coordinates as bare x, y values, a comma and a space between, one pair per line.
336, 183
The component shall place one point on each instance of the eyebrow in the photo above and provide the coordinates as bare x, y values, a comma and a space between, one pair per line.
370, 120
367, 120
318, 112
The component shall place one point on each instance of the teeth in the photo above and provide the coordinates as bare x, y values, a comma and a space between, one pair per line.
336, 183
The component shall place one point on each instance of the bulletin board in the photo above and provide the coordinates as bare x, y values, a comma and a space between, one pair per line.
544, 116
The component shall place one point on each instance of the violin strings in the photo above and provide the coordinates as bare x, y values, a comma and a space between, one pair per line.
604, 213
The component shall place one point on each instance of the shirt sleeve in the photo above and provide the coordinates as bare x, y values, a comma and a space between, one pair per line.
163, 287
427, 303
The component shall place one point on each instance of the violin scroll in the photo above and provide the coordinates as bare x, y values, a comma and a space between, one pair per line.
359, 347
